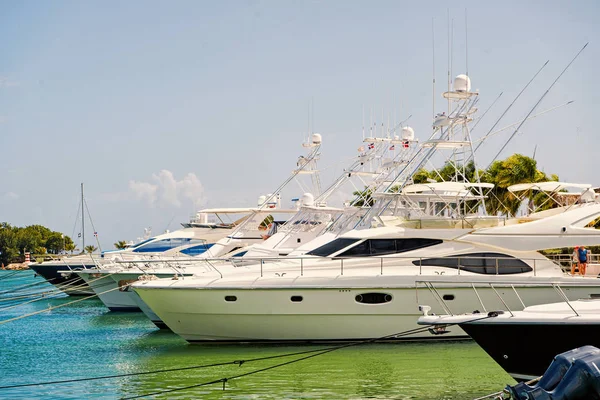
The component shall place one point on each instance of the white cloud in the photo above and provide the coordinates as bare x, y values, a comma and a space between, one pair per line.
165, 190
144, 191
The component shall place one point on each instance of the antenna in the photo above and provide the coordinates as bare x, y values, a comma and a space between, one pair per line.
82, 220
511, 104
466, 45
448, 59
363, 121
312, 114
538, 102
433, 67
451, 49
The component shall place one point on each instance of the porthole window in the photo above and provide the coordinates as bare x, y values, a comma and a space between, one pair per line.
230, 298
448, 297
296, 299
373, 298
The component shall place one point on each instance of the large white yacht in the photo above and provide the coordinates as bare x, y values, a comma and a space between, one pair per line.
363, 283
336, 293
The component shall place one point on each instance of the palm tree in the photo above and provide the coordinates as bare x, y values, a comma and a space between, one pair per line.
511, 171
121, 244
363, 198
90, 249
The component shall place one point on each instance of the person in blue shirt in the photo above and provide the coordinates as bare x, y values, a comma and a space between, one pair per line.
583, 259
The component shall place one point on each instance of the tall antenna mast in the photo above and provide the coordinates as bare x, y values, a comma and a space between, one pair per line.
451, 49
536, 104
466, 45
82, 219
363, 121
448, 22
432, 67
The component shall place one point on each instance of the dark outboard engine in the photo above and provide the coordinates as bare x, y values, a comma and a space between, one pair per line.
573, 375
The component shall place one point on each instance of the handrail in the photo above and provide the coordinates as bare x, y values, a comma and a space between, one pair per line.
379, 264
430, 285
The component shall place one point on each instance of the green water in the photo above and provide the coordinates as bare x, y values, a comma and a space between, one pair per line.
85, 340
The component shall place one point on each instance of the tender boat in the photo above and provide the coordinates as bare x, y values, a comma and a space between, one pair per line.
525, 342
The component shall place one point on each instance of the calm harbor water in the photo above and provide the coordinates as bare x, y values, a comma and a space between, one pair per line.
85, 340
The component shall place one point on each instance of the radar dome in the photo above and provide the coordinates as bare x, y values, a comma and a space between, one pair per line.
462, 83
308, 199
316, 138
408, 133
261, 200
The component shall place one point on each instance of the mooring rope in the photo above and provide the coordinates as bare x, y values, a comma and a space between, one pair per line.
19, 288
8, 275
309, 354
54, 292
224, 380
2, 322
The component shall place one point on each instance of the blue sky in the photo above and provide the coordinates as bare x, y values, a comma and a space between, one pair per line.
161, 107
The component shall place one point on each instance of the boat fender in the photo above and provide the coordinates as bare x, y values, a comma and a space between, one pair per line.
573, 375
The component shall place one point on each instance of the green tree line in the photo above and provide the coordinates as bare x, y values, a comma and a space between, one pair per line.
36, 239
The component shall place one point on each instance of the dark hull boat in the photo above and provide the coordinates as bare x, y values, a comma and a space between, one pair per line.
59, 274
525, 350
525, 342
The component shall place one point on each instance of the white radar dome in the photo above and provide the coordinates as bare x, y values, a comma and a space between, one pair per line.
408, 133
308, 199
316, 138
462, 83
261, 200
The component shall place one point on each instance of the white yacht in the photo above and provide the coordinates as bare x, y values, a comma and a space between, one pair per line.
339, 294
363, 283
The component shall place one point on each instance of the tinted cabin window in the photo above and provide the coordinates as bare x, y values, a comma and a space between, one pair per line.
196, 250
403, 245
380, 247
479, 263
165, 244
296, 299
332, 247
230, 298
360, 250
373, 298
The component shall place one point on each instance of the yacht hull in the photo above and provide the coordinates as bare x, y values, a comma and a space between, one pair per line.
525, 350
109, 293
321, 314
57, 275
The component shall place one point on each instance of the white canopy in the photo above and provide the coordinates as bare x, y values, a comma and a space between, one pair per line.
240, 210
444, 187
550, 186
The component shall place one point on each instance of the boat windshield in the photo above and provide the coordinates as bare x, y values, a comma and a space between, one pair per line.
165, 244
135, 246
380, 247
332, 247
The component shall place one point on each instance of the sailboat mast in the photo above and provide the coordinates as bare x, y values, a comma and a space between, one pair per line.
82, 219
